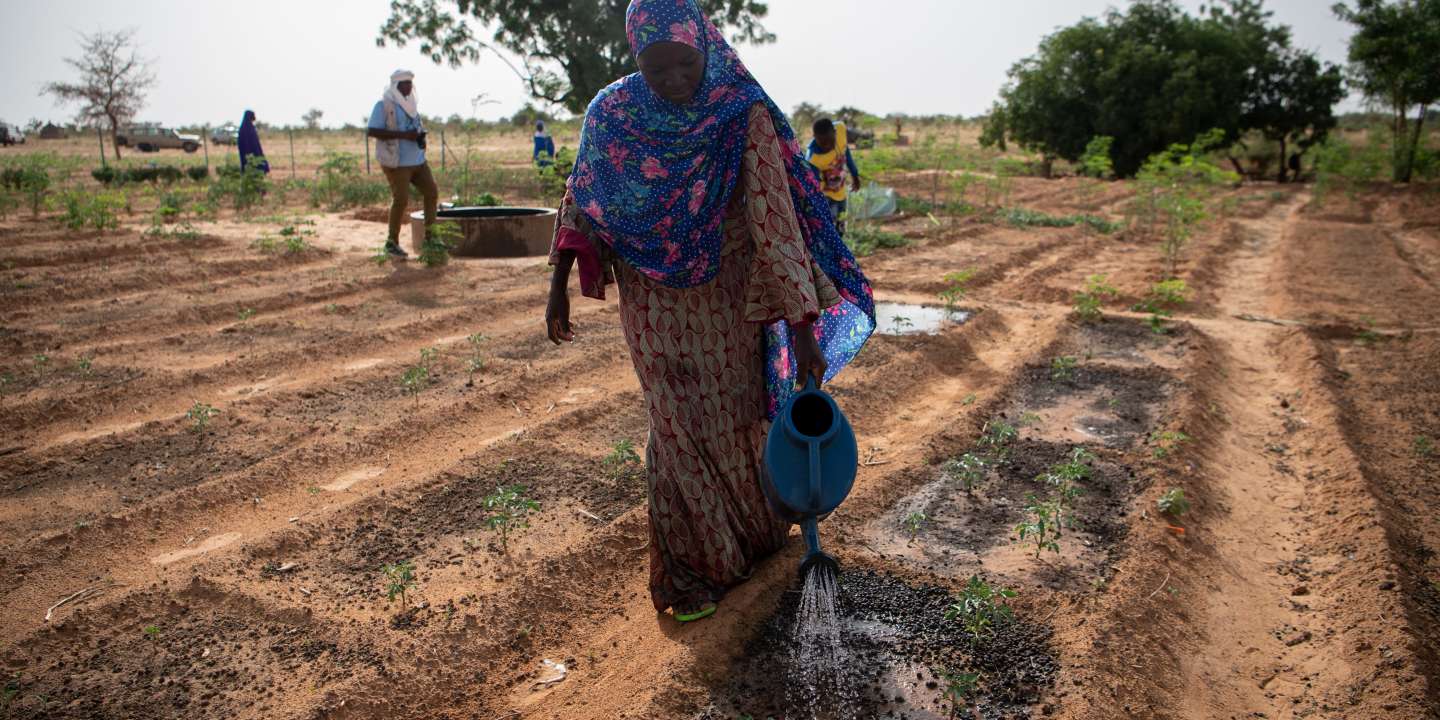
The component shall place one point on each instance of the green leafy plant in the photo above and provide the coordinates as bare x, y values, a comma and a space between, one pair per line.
959, 687
864, 238
1062, 368
416, 378
1176, 187
439, 239
510, 509
41, 363
1089, 301
913, 522
997, 436
980, 607
899, 324
199, 416
380, 256
476, 362
399, 580
97, 211
83, 365
969, 468
1164, 442
622, 458
1163, 298
1065, 478
244, 314
244, 189
1041, 524
955, 288
341, 184
1173, 503
1424, 446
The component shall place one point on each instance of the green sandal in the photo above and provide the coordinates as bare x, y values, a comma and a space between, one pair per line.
705, 611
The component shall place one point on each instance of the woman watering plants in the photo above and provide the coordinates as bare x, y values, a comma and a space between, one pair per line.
690, 193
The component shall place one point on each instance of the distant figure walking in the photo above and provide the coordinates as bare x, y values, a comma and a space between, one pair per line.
829, 156
544, 154
395, 124
248, 141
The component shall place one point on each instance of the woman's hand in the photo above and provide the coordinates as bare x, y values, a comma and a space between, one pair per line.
557, 309
809, 361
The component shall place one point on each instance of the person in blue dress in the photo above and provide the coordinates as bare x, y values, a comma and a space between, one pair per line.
544, 154
248, 142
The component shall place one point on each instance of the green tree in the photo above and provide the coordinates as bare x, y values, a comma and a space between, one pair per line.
568, 50
1292, 101
1395, 61
1150, 76
113, 81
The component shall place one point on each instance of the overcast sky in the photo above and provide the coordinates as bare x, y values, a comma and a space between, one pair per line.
282, 57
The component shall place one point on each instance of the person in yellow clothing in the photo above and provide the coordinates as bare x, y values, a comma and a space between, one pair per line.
829, 156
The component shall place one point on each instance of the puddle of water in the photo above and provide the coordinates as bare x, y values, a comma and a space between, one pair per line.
214, 542
909, 319
354, 476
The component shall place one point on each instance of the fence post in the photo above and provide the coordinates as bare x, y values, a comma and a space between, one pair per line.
367, 153
292, 153
205, 143
100, 134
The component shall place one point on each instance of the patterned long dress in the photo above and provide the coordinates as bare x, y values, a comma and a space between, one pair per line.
700, 358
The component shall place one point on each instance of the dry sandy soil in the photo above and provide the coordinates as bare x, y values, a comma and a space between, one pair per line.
235, 571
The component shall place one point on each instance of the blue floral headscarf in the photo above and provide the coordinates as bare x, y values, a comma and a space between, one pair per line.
654, 178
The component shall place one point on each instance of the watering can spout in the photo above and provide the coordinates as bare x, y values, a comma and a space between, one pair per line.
810, 462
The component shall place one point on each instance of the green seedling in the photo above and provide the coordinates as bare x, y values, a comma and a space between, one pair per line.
416, 378
959, 687
913, 522
1156, 321
476, 362
997, 436
83, 365
331, 308
1424, 446
399, 580
439, 239
1041, 524
622, 458
151, 631
1089, 301
980, 607
1065, 478
1062, 368
380, 257
41, 361
969, 469
899, 324
968, 399
1166, 441
1173, 503
955, 288
199, 416
510, 510
245, 314
1166, 294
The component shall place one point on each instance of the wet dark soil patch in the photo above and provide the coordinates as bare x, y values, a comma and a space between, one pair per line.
1116, 406
897, 639
959, 527
1127, 341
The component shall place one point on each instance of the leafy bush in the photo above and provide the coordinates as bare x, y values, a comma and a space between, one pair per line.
341, 185
31, 179
1177, 188
980, 607
864, 239
1173, 503
93, 210
243, 188
198, 172
1089, 301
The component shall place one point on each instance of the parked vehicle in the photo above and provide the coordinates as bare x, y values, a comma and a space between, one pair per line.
226, 134
152, 138
11, 135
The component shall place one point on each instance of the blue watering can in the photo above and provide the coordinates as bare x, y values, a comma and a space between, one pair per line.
810, 463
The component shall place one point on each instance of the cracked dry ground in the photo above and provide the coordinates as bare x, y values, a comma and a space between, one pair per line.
235, 572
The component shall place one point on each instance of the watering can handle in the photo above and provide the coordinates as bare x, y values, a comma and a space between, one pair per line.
814, 473
809, 383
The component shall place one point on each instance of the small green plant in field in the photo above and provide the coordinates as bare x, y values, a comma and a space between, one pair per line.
980, 607
1062, 368
997, 436
296, 238
1156, 322
1424, 446
151, 631
968, 399
439, 239
1166, 441
380, 256
913, 522
865, 238
1089, 301
1173, 503
969, 469
416, 378
899, 324
1041, 524
1065, 478
1164, 297
959, 687
622, 458
95, 210
199, 416
510, 509
83, 365
399, 580
476, 361
41, 361
244, 314
1095, 161
955, 288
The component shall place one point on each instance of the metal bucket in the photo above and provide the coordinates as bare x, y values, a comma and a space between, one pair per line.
493, 231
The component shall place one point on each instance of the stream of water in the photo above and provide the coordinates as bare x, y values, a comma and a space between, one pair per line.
818, 661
